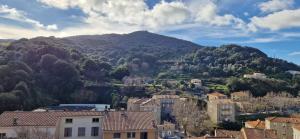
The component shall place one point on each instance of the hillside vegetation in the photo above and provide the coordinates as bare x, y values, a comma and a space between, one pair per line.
85, 69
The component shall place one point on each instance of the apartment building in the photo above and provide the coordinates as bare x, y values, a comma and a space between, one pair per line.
296, 132
220, 109
51, 125
145, 105
166, 102
283, 126
241, 96
129, 125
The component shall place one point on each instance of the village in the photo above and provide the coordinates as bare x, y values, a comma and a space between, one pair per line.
211, 116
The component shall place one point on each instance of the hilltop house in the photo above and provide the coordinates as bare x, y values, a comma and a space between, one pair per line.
241, 96
256, 75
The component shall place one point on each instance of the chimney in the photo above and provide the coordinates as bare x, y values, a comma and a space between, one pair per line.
15, 121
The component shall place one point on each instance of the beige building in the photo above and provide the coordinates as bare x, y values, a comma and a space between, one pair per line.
197, 83
241, 96
166, 102
51, 125
215, 96
220, 110
166, 129
145, 105
256, 76
283, 126
129, 125
296, 132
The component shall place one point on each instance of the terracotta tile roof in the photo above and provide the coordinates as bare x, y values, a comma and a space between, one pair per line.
226, 133
284, 120
165, 97
39, 118
116, 121
150, 102
216, 94
256, 124
253, 133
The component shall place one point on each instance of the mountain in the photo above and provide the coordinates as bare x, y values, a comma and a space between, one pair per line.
89, 69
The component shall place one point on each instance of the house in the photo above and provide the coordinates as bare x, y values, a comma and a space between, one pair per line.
293, 72
244, 133
241, 96
146, 105
220, 110
253, 133
166, 130
197, 83
51, 125
216, 95
166, 102
255, 124
283, 126
296, 132
256, 75
129, 125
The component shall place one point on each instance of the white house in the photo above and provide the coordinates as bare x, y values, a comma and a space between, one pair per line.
256, 76
197, 82
52, 125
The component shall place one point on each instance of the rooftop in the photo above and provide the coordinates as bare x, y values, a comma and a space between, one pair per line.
256, 124
253, 133
39, 118
241, 93
284, 120
217, 94
227, 133
165, 97
116, 121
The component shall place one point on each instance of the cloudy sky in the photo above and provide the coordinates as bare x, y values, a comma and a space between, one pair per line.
273, 26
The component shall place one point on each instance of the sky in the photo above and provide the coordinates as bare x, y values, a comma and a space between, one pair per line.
272, 26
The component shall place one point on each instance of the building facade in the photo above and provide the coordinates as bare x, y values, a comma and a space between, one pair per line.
51, 125
221, 110
241, 96
166, 130
296, 132
283, 126
129, 125
145, 105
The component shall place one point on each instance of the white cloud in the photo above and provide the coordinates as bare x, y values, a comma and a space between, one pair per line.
294, 54
276, 21
14, 14
275, 5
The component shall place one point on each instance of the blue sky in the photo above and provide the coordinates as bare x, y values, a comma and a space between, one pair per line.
272, 26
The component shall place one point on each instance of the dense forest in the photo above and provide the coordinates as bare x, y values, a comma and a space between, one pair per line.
87, 69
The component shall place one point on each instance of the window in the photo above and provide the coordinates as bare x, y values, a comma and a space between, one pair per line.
117, 135
81, 131
95, 131
144, 135
131, 135
2, 135
69, 121
95, 120
68, 132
